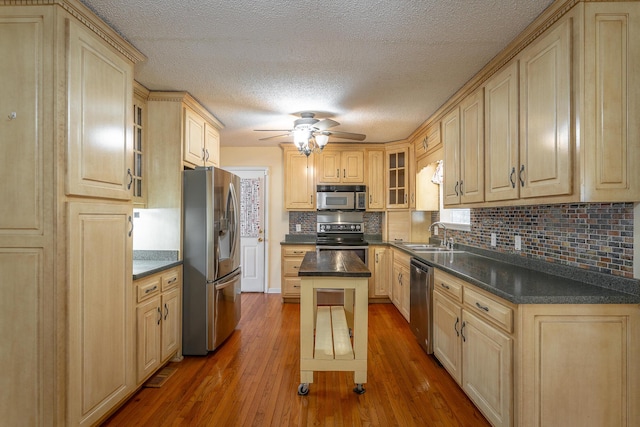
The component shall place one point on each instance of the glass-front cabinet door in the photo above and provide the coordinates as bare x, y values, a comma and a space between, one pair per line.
398, 178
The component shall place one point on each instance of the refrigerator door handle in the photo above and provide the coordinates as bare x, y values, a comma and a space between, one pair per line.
226, 282
236, 222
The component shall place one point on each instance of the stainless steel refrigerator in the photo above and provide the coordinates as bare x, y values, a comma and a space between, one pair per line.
211, 256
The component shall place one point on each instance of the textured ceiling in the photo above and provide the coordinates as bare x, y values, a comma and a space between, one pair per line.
379, 67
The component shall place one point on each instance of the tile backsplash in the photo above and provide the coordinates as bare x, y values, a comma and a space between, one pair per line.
595, 237
307, 221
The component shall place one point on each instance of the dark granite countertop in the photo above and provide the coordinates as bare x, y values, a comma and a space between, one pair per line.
333, 264
522, 285
144, 268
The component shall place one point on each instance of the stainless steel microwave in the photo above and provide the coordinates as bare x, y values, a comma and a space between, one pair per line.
341, 197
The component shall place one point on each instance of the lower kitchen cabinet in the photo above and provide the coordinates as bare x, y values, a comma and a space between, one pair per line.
400, 275
292, 256
472, 339
379, 257
579, 365
158, 324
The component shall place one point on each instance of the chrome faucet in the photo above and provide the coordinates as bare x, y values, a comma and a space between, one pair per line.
443, 240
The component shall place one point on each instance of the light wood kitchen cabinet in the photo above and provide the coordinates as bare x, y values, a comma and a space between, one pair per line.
397, 176
299, 178
398, 226
611, 129
546, 163
427, 193
379, 264
139, 181
428, 140
502, 158
472, 339
375, 180
292, 256
159, 320
400, 275
65, 247
463, 138
101, 322
201, 137
340, 167
578, 365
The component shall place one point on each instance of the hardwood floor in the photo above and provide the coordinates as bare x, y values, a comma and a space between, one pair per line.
252, 380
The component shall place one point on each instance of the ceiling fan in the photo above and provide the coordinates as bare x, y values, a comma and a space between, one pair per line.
310, 133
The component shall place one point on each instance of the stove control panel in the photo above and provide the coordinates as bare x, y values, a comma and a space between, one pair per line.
339, 228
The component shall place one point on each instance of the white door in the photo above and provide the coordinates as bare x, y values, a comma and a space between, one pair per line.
252, 229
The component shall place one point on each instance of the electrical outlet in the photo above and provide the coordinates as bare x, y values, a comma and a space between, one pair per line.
518, 243
493, 240
298, 228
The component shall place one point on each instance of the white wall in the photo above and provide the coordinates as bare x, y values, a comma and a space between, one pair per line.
278, 225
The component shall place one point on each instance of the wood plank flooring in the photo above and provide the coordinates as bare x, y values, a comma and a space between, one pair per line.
252, 380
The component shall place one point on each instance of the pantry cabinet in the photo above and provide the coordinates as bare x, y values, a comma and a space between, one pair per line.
65, 238
299, 181
340, 167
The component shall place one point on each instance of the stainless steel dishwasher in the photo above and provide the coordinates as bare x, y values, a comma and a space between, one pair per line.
420, 310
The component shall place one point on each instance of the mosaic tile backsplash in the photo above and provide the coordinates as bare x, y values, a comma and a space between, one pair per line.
307, 221
595, 237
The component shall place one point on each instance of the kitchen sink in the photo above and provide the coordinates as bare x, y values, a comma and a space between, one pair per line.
421, 246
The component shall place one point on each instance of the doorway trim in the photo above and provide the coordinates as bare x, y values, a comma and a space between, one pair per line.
265, 171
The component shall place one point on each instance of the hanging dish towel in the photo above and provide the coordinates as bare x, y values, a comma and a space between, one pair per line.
437, 175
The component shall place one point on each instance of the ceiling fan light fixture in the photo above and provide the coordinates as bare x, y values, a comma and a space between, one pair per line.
301, 138
322, 140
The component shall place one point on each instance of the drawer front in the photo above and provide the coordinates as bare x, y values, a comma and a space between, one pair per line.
291, 287
489, 308
449, 285
291, 266
148, 287
171, 279
297, 251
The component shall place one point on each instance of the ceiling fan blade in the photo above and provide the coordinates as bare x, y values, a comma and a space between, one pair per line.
347, 135
272, 130
325, 124
273, 137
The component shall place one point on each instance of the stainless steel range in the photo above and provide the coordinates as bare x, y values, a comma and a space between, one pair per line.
340, 231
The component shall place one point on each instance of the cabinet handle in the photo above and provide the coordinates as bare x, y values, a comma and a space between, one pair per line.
296, 286
202, 156
172, 280
297, 252
311, 199
521, 176
146, 291
206, 159
413, 198
131, 229
370, 198
405, 198
296, 267
166, 311
130, 179
482, 307
456, 189
338, 173
445, 286
159, 315
377, 258
344, 173
464, 339
461, 192
512, 177
455, 327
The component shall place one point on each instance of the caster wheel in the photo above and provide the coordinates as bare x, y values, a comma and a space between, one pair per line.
359, 389
303, 389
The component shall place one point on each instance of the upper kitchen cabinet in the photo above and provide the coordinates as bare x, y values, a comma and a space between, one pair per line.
610, 128
139, 182
99, 156
334, 166
65, 229
463, 139
397, 175
428, 141
299, 178
501, 135
546, 166
201, 137
375, 179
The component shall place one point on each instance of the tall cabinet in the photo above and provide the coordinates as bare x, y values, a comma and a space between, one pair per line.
65, 226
